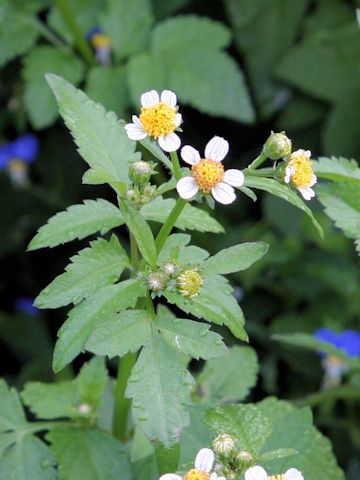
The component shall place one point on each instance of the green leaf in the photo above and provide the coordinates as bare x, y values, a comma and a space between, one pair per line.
78, 221
159, 387
141, 231
94, 267
175, 249
88, 453
230, 378
155, 150
283, 191
191, 338
11, 412
337, 169
75, 332
191, 218
167, 458
92, 381
233, 259
39, 102
214, 303
128, 30
245, 422
120, 333
100, 137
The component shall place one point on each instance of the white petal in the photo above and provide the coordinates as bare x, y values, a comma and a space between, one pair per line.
136, 120
216, 149
168, 97
234, 177
190, 155
307, 193
178, 119
187, 188
313, 180
223, 193
135, 132
204, 460
170, 143
149, 99
256, 473
293, 474
288, 172
170, 476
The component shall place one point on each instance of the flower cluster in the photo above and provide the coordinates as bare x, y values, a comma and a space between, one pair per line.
300, 174
17, 155
204, 462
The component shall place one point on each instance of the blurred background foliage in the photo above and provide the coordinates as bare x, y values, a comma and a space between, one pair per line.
240, 68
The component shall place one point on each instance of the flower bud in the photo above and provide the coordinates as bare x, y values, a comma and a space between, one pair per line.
169, 268
140, 172
244, 458
277, 146
157, 281
84, 409
189, 283
223, 444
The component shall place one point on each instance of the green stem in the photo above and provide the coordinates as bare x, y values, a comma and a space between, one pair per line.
343, 392
80, 41
176, 165
134, 252
169, 224
263, 172
50, 37
258, 161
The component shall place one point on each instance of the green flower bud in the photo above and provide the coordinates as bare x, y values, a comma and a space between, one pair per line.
157, 281
140, 172
277, 146
223, 444
244, 458
169, 268
189, 283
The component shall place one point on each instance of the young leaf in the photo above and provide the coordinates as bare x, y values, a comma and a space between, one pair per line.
141, 231
91, 269
100, 137
88, 453
91, 382
233, 259
191, 218
337, 169
78, 221
75, 332
11, 412
159, 386
175, 248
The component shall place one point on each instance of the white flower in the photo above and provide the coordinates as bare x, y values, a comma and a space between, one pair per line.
208, 173
300, 173
259, 473
159, 118
203, 465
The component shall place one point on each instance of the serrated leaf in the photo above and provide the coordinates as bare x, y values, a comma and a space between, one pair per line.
91, 382
75, 332
191, 338
88, 453
214, 303
176, 248
78, 221
101, 139
11, 412
233, 259
191, 218
94, 267
141, 231
129, 31
275, 188
337, 169
159, 387
120, 333
39, 102
231, 377
278, 453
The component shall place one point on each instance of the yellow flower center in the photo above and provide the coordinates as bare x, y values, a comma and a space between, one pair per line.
333, 360
189, 283
207, 174
17, 165
277, 477
303, 171
158, 120
100, 40
196, 475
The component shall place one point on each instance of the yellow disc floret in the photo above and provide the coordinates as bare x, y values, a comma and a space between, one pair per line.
207, 174
277, 477
100, 40
302, 171
158, 120
196, 475
189, 283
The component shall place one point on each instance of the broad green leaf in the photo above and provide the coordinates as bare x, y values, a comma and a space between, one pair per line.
283, 191
337, 169
191, 218
278, 453
163, 9
231, 377
167, 457
129, 31
88, 453
11, 412
75, 332
141, 231
92, 381
120, 333
155, 150
159, 387
78, 221
94, 267
215, 303
176, 249
18, 31
192, 338
245, 422
39, 102
233, 259
101, 139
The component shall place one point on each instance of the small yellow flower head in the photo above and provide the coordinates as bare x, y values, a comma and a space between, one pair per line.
140, 172
204, 462
157, 281
223, 444
194, 474
277, 146
189, 283
100, 40
299, 172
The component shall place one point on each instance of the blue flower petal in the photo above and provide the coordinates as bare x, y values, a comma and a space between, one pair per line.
26, 148
92, 32
348, 340
25, 305
5, 155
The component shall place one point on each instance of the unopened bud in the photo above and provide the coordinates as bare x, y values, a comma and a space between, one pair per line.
140, 172
223, 444
157, 281
189, 283
244, 458
84, 409
169, 268
277, 146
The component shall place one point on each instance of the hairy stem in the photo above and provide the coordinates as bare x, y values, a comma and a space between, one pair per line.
176, 165
169, 224
258, 161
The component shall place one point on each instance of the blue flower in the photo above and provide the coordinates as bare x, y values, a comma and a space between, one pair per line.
93, 32
25, 305
348, 340
102, 45
24, 148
